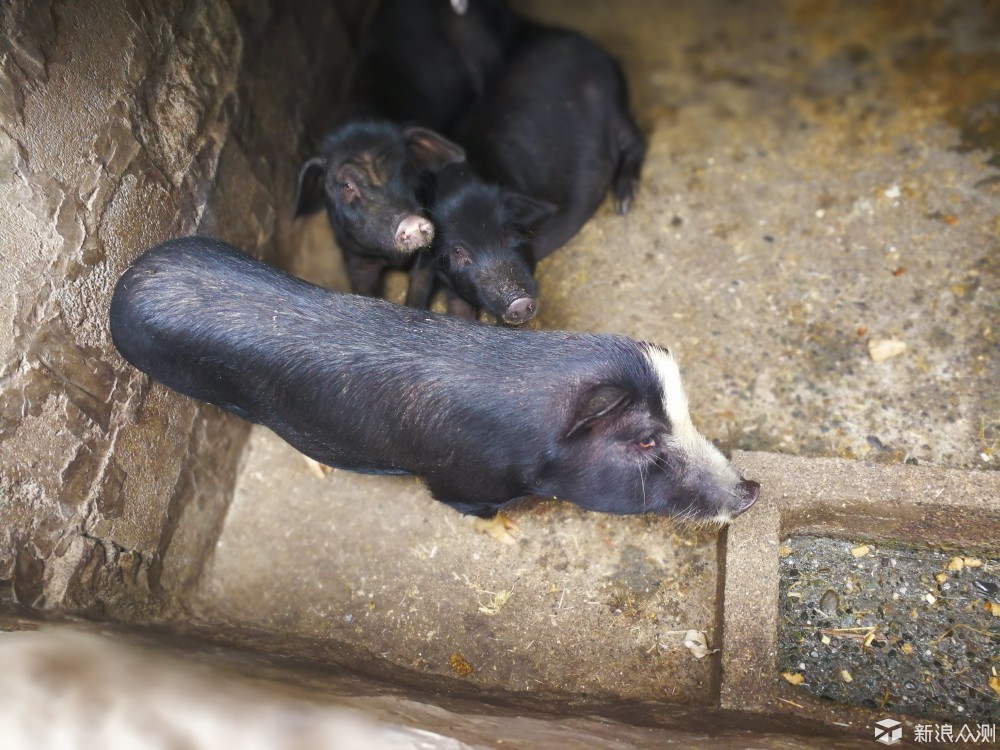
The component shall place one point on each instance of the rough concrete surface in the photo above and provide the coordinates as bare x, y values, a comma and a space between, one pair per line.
925, 507
809, 188
585, 605
147, 688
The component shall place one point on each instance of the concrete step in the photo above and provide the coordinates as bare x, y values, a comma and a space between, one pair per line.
584, 605
375, 575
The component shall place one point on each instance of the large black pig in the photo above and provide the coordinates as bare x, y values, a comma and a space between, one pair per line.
420, 66
484, 415
555, 128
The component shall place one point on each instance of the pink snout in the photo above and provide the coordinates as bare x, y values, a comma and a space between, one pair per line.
520, 311
413, 233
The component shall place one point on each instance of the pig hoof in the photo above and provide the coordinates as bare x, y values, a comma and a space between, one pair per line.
316, 468
413, 233
624, 195
499, 527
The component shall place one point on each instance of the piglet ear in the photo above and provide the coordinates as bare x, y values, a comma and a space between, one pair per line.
599, 403
309, 192
525, 212
431, 149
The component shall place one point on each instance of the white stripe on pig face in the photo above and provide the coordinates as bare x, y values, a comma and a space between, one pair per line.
697, 449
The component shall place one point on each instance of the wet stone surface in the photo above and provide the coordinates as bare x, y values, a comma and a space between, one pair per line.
904, 629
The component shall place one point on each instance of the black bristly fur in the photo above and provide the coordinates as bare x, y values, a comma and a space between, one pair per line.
482, 250
419, 64
556, 129
385, 166
484, 415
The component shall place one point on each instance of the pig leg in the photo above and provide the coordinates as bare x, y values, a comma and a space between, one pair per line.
421, 284
365, 274
632, 151
489, 520
458, 306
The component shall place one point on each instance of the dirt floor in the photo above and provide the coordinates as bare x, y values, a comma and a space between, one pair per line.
809, 190
822, 178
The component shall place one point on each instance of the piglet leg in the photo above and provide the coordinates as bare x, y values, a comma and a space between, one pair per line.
458, 306
632, 152
365, 274
421, 284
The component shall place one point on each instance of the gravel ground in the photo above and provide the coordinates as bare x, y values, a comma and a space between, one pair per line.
913, 630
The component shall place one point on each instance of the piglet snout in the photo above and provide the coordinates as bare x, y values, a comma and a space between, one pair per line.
413, 233
747, 492
520, 311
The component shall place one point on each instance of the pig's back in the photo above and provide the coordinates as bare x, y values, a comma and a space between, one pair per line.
548, 128
421, 62
220, 326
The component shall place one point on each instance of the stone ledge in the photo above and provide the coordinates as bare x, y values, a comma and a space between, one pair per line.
918, 505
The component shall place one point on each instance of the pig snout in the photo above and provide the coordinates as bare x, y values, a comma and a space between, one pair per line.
747, 492
412, 233
520, 311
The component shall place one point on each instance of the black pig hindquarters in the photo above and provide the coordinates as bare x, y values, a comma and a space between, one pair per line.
484, 415
421, 62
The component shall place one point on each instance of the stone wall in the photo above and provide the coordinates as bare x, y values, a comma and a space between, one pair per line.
123, 123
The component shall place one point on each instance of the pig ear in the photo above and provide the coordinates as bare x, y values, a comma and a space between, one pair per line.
431, 149
525, 212
599, 403
309, 193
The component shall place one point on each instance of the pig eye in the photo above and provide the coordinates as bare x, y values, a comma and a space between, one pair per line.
347, 183
647, 442
461, 256
349, 190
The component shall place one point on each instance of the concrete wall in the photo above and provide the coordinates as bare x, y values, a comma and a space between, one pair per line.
123, 123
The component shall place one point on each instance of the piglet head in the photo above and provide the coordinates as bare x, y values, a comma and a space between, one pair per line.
482, 248
370, 178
